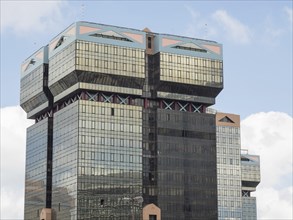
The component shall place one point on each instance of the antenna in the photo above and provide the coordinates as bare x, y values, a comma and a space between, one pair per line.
82, 10
205, 30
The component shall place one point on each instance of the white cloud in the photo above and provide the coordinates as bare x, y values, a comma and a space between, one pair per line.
23, 17
289, 13
13, 134
234, 29
271, 32
271, 35
270, 136
217, 25
274, 204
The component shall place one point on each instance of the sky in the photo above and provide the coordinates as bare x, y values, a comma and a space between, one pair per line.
257, 44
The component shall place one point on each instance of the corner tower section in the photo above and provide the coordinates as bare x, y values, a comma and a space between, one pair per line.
34, 94
37, 100
250, 178
90, 56
190, 67
96, 75
229, 166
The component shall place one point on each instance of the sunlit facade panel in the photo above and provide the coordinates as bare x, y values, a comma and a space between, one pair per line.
191, 70
36, 166
65, 166
97, 158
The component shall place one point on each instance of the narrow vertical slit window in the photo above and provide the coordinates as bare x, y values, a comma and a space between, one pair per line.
149, 42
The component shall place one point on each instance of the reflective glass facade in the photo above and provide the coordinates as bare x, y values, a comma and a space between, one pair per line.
250, 176
35, 175
191, 70
32, 94
238, 173
110, 59
61, 65
125, 119
34, 82
186, 182
249, 211
229, 167
65, 166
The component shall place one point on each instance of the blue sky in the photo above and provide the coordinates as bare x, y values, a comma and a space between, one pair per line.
257, 43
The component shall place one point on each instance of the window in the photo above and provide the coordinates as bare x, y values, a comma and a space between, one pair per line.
130, 143
92, 155
112, 111
152, 217
82, 138
82, 171
103, 110
112, 126
184, 133
168, 117
102, 156
93, 140
102, 202
149, 42
112, 141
